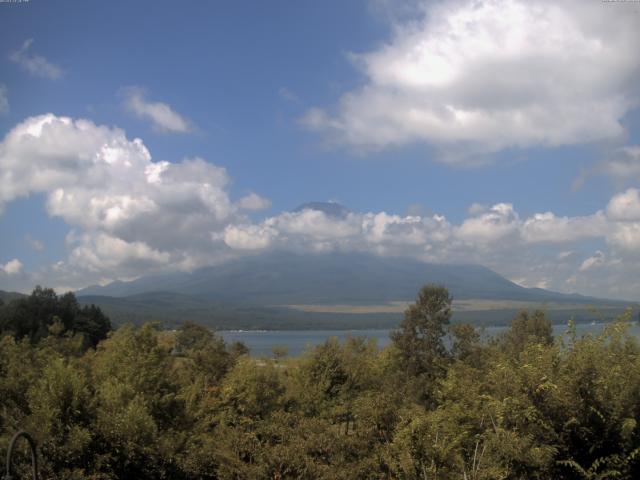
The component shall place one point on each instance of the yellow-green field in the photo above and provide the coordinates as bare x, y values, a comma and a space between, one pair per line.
471, 305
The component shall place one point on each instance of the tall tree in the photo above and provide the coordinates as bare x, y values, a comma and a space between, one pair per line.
528, 328
420, 349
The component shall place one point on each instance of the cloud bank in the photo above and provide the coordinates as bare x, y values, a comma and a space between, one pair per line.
131, 215
542, 250
484, 75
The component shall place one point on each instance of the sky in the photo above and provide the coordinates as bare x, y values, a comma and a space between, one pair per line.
145, 137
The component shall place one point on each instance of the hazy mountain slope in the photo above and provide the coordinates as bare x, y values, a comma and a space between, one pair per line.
8, 296
285, 278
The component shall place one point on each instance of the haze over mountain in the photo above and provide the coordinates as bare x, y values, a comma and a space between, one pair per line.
284, 290
283, 278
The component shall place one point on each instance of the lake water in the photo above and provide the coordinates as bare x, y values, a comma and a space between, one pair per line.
261, 342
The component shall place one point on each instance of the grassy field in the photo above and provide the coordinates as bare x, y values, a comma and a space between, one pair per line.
172, 309
478, 311
469, 305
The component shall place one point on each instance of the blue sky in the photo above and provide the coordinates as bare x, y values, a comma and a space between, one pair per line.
434, 113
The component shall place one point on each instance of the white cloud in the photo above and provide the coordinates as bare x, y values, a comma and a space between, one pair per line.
132, 215
497, 222
34, 243
529, 249
162, 116
253, 201
103, 253
622, 165
625, 206
547, 227
564, 255
626, 236
249, 237
312, 230
598, 259
483, 75
476, 208
35, 64
4, 99
314, 224
12, 267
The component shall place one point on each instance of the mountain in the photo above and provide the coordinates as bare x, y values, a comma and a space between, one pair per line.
280, 278
281, 290
6, 297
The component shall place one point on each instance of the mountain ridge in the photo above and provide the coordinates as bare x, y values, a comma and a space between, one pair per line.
282, 278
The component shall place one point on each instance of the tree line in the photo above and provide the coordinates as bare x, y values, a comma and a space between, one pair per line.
140, 402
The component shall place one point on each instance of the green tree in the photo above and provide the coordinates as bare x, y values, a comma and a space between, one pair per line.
466, 344
32, 316
527, 328
421, 353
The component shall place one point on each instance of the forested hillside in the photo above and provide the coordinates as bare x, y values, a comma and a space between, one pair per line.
150, 404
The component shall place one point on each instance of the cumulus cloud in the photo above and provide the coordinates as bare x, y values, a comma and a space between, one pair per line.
531, 249
310, 230
12, 267
624, 210
162, 116
253, 201
35, 64
104, 253
498, 226
626, 237
484, 75
497, 222
249, 237
130, 214
429, 237
4, 99
625, 206
547, 227
133, 215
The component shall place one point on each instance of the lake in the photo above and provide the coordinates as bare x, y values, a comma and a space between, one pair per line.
261, 342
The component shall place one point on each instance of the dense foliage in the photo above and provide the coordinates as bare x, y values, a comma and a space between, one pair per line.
151, 404
44, 313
